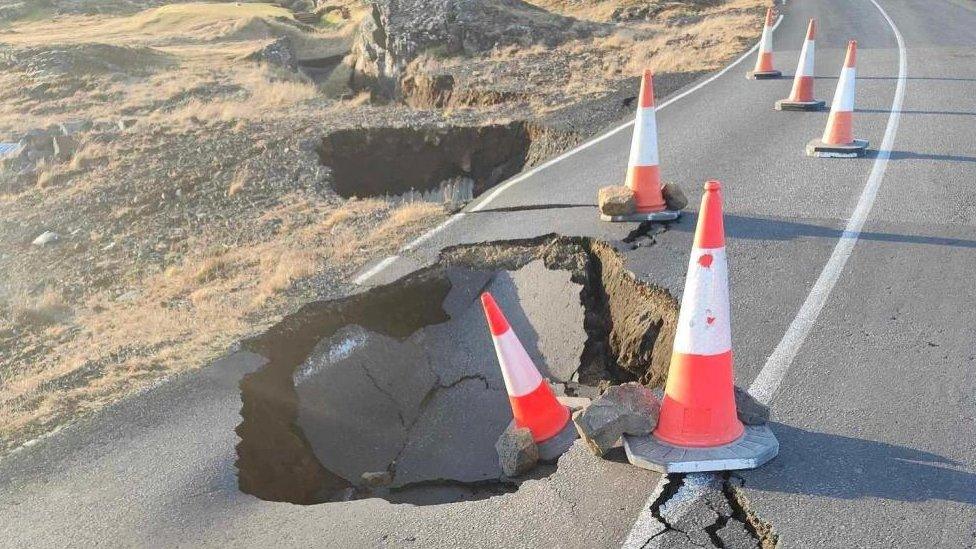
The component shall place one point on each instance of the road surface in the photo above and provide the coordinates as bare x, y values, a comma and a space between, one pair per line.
874, 408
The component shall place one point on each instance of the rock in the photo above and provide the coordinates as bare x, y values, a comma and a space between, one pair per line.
573, 403
45, 238
279, 53
428, 91
616, 200
78, 125
751, 411
376, 479
630, 409
398, 31
517, 452
674, 197
64, 147
125, 123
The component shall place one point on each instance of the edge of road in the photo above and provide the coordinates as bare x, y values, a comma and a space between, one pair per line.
479, 205
774, 371
482, 202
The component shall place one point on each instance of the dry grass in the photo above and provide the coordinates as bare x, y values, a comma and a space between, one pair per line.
190, 313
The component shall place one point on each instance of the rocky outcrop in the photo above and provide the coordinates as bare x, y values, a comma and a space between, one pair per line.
395, 32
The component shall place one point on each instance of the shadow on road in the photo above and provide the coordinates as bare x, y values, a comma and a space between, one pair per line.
908, 155
738, 226
934, 113
836, 466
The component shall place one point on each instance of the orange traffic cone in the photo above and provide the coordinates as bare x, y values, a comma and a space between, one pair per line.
801, 97
699, 429
838, 139
764, 63
699, 400
643, 172
533, 404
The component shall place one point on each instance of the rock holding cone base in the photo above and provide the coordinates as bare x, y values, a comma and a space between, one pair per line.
643, 171
699, 428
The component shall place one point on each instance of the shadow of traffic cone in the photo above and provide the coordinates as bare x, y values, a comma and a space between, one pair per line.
643, 172
838, 140
801, 96
764, 63
534, 406
698, 412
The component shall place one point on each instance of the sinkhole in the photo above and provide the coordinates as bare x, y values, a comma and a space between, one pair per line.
391, 161
400, 382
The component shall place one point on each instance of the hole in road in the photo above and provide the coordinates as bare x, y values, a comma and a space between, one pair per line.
455, 163
396, 392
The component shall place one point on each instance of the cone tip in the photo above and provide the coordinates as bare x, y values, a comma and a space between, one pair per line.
769, 17
812, 29
712, 186
851, 58
647, 89
496, 320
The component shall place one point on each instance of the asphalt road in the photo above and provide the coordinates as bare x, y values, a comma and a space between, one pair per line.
876, 413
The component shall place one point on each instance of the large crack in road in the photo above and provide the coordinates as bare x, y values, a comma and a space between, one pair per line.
400, 382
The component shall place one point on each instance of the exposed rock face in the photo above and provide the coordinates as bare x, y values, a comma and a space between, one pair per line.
398, 31
517, 452
616, 200
278, 52
630, 409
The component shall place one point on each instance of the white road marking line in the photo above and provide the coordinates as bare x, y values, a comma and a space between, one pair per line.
487, 199
765, 385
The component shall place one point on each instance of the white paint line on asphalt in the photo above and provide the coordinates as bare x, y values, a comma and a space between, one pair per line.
487, 199
766, 384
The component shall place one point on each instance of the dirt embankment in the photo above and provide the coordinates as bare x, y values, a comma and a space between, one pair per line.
170, 161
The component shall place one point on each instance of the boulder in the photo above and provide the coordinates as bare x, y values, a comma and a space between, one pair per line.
517, 452
396, 32
279, 53
628, 409
674, 197
751, 411
617, 200
64, 147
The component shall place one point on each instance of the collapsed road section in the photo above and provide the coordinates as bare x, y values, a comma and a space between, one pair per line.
396, 392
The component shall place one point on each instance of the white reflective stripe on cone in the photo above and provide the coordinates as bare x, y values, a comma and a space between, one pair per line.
521, 377
805, 67
766, 44
643, 147
844, 96
704, 327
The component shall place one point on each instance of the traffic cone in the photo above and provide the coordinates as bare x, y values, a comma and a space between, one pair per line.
838, 140
533, 404
643, 172
801, 97
698, 409
764, 63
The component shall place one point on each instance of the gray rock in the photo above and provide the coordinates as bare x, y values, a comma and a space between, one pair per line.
517, 452
376, 479
630, 409
751, 411
125, 123
45, 238
64, 147
674, 197
79, 125
279, 53
616, 200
